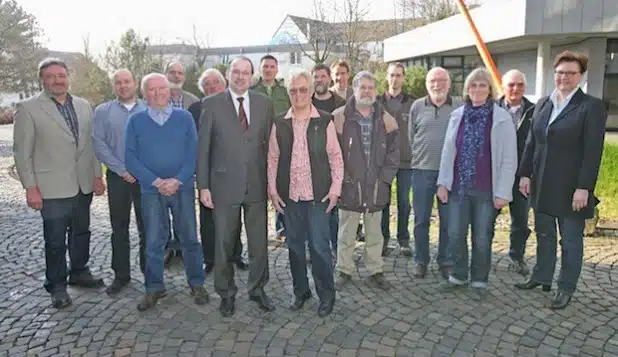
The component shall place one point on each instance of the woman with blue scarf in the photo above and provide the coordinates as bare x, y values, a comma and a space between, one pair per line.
477, 171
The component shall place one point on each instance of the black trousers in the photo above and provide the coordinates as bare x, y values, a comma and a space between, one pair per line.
207, 236
121, 195
66, 222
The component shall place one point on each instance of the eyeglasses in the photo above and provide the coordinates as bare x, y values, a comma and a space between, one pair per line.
565, 73
513, 85
241, 73
301, 90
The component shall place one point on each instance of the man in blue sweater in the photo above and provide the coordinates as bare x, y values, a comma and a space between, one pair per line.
160, 151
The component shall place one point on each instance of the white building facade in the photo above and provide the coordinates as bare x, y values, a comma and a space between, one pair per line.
526, 35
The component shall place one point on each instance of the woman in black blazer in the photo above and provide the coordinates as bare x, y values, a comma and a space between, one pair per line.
559, 171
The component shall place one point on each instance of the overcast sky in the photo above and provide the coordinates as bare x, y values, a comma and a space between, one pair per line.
248, 22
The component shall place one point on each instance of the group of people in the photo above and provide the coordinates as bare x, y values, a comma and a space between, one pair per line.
326, 158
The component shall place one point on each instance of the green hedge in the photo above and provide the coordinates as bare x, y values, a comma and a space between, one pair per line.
607, 185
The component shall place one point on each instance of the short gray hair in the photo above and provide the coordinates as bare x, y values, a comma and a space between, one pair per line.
169, 65
51, 61
514, 72
150, 76
300, 73
206, 74
363, 75
482, 75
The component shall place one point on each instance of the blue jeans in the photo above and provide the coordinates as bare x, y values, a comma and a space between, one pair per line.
155, 208
308, 221
518, 209
404, 183
475, 209
423, 191
279, 224
66, 220
334, 228
572, 243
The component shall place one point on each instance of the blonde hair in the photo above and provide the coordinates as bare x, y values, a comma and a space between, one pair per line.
481, 75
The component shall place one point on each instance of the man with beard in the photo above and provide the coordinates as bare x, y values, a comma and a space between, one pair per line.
327, 100
323, 98
180, 99
108, 137
368, 136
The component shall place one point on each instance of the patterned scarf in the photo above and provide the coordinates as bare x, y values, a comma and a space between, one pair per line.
474, 119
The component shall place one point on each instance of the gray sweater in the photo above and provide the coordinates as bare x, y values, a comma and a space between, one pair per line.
503, 153
426, 130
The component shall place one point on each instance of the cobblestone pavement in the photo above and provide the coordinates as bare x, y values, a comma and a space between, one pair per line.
414, 319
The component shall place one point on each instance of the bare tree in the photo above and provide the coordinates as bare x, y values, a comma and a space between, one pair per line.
320, 33
353, 32
432, 10
90, 81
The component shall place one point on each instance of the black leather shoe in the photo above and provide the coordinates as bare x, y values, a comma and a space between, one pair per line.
86, 280
116, 286
167, 257
325, 308
531, 284
298, 303
241, 264
61, 299
227, 307
561, 300
263, 301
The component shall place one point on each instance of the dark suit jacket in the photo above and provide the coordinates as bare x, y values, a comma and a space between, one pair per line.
565, 157
196, 110
232, 163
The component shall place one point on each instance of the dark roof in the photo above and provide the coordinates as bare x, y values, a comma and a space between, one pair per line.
374, 30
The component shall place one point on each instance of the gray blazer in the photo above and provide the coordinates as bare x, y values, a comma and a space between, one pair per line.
188, 98
503, 152
45, 151
230, 162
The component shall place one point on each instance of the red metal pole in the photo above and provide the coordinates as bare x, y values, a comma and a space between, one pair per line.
480, 45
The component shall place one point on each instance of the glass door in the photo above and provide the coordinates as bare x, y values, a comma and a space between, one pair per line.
610, 97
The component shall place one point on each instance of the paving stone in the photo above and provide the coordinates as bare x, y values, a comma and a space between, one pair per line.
413, 319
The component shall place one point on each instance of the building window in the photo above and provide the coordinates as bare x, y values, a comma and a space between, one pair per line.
452, 61
295, 58
610, 84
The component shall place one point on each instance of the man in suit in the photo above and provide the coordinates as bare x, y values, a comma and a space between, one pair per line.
231, 174
57, 167
181, 99
212, 82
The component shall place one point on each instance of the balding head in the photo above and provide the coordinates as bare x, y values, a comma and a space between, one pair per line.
124, 84
514, 86
175, 73
438, 83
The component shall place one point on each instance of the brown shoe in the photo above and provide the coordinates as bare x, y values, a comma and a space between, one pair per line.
420, 271
445, 271
380, 281
149, 300
341, 280
200, 295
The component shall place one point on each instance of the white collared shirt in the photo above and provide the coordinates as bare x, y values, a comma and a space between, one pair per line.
245, 103
558, 108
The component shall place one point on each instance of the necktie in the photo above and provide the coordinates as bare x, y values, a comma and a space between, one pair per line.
242, 116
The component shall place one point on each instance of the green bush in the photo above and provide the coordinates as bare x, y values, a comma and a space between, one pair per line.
607, 184
414, 84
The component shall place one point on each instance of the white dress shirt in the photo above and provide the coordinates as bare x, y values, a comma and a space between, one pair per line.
245, 104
